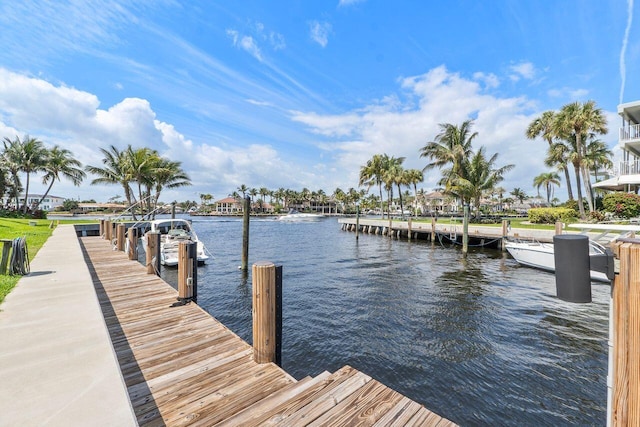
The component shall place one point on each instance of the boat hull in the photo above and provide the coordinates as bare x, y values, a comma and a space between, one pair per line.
541, 256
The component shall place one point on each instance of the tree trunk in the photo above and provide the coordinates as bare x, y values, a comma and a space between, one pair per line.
381, 202
587, 186
401, 207
579, 187
46, 193
26, 195
567, 176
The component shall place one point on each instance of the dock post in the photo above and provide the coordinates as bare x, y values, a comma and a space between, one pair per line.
390, 230
187, 272
559, 226
246, 206
153, 252
357, 220
120, 228
409, 229
265, 311
505, 233
107, 230
624, 398
6, 250
133, 243
433, 228
101, 233
465, 230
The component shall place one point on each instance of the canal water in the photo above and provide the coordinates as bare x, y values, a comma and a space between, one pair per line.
479, 340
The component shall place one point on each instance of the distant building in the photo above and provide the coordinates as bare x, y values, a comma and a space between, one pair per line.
49, 203
100, 207
228, 205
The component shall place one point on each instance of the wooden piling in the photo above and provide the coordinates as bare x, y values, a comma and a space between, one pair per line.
120, 229
264, 311
187, 271
559, 226
505, 233
133, 243
6, 250
244, 266
433, 229
625, 294
108, 230
101, 234
153, 252
409, 228
465, 230
357, 221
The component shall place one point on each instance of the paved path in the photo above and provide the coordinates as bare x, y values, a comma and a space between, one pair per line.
57, 365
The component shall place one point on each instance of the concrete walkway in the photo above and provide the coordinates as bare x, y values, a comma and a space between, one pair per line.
57, 365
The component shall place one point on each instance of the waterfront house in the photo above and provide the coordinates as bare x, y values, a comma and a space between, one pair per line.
48, 204
228, 205
626, 175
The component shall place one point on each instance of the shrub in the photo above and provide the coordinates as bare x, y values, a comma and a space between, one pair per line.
624, 205
551, 215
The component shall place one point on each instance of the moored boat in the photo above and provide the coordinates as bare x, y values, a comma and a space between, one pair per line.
296, 216
172, 232
541, 255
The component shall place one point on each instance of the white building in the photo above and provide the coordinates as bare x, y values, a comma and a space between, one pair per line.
48, 204
626, 176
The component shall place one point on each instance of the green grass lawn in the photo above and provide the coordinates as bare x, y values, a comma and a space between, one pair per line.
35, 235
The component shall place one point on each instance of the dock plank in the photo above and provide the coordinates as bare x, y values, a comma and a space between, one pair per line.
183, 367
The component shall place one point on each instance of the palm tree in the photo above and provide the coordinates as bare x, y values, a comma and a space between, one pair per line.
60, 163
576, 121
394, 174
33, 158
597, 155
519, 194
451, 147
480, 177
373, 173
11, 159
115, 171
168, 174
413, 177
544, 126
140, 164
243, 189
548, 180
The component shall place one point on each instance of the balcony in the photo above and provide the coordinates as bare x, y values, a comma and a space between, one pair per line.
630, 133
631, 167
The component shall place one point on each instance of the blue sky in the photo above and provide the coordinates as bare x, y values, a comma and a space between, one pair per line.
300, 94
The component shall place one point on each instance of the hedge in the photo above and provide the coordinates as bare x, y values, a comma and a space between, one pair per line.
624, 205
551, 215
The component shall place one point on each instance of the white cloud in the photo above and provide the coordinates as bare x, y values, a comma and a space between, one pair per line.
490, 80
64, 116
401, 128
319, 32
523, 70
247, 43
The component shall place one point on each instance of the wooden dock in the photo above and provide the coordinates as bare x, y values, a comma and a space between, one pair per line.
183, 367
479, 235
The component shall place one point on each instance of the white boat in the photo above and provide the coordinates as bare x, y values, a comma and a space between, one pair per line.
541, 255
296, 216
172, 232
